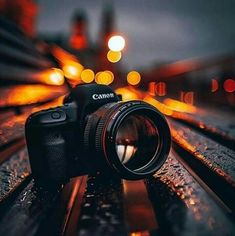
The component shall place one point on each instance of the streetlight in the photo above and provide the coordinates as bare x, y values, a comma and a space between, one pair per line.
116, 43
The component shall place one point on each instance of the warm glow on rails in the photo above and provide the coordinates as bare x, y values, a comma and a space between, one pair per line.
87, 75
160, 106
179, 106
127, 94
116, 43
18, 95
113, 56
133, 78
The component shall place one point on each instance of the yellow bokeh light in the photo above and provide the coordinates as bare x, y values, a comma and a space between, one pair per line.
111, 78
113, 56
105, 77
133, 78
97, 76
87, 75
116, 43
73, 70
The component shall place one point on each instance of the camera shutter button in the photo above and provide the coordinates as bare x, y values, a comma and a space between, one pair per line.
55, 115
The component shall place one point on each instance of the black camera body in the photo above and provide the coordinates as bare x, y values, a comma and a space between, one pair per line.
92, 132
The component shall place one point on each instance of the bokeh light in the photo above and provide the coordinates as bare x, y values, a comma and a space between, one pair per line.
53, 76
87, 75
133, 78
116, 43
229, 85
73, 70
113, 56
56, 76
160, 89
214, 85
104, 77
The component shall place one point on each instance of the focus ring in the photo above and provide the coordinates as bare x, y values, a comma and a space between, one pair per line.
87, 132
100, 127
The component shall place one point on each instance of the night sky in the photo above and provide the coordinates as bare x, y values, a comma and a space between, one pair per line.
156, 30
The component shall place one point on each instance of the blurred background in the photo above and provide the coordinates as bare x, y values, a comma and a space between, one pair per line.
178, 56
155, 31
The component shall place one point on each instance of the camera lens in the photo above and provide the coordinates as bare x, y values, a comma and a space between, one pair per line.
137, 141
131, 138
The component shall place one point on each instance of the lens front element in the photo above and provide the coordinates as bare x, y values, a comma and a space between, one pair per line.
137, 141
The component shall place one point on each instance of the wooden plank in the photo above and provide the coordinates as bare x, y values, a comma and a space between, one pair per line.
13, 35
26, 209
16, 57
218, 125
36, 211
13, 172
213, 162
139, 214
19, 73
102, 208
22, 95
182, 206
13, 128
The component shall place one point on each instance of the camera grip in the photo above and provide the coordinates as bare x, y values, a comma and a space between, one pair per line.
47, 153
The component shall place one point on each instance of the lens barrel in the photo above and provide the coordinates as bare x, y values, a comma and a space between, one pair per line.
133, 138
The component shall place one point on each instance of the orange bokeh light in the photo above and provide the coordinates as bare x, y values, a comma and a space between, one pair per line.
87, 75
133, 78
104, 77
113, 56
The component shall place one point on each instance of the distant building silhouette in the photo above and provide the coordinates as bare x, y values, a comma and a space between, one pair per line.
79, 34
22, 12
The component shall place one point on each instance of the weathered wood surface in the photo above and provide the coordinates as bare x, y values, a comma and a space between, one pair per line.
182, 201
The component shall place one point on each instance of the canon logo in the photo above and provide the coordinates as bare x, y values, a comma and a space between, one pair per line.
102, 96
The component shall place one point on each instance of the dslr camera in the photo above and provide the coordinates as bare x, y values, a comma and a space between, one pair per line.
94, 131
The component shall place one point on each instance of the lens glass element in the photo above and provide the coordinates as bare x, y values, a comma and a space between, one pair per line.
137, 141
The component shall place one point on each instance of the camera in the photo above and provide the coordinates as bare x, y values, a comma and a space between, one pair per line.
94, 131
